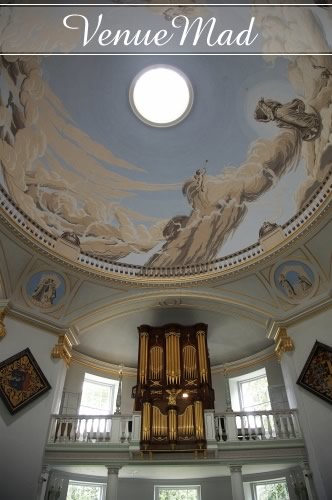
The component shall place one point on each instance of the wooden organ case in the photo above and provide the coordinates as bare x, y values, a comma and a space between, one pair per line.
173, 387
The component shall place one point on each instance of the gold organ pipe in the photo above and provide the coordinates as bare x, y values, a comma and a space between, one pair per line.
173, 365
199, 420
167, 360
202, 355
146, 422
144, 357
178, 362
186, 422
172, 425
189, 361
159, 422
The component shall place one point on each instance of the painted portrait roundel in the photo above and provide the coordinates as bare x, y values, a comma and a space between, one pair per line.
295, 280
45, 289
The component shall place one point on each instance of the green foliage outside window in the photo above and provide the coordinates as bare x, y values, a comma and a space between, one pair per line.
83, 492
272, 491
178, 494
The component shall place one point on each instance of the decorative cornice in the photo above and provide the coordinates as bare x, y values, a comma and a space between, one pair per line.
298, 317
255, 359
3, 312
44, 323
283, 343
102, 366
63, 349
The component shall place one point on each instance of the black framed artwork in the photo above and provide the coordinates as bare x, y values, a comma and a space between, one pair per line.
21, 381
316, 375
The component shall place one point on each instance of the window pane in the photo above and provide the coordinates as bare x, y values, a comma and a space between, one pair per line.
178, 494
96, 396
272, 491
255, 394
84, 492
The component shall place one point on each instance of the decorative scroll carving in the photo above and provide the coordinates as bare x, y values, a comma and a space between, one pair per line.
2, 324
63, 349
173, 387
283, 343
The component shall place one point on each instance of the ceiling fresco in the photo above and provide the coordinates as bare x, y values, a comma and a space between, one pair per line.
254, 148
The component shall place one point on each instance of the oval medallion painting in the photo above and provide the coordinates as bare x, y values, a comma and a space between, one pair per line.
45, 289
295, 280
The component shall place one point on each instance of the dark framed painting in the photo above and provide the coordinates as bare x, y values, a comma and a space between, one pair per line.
316, 375
21, 381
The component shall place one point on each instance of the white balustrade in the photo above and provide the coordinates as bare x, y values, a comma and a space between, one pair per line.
90, 429
125, 429
257, 425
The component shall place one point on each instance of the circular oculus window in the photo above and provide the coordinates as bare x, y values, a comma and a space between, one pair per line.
161, 96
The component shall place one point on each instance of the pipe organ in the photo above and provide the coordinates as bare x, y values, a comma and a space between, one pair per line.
173, 386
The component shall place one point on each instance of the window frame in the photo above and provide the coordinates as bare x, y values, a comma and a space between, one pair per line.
76, 482
268, 481
158, 487
240, 383
113, 385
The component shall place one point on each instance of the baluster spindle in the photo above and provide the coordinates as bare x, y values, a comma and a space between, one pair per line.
269, 426
84, 430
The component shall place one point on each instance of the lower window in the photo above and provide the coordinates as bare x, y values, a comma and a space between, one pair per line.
78, 490
177, 493
271, 490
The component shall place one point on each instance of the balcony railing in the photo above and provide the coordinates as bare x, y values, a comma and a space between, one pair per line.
114, 429
257, 425
265, 426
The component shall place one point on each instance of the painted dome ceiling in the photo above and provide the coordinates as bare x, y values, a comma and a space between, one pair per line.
75, 158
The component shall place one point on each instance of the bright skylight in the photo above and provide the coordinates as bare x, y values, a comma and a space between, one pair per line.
161, 96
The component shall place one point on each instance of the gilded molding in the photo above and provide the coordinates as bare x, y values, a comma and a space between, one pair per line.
283, 343
3, 332
3, 312
62, 350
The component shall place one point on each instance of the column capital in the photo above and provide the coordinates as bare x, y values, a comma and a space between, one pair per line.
235, 468
283, 342
63, 349
113, 469
306, 468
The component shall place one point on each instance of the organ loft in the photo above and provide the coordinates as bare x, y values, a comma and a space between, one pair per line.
173, 387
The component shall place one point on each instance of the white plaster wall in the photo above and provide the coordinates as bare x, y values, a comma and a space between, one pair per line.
315, 414
218, 384
23, 436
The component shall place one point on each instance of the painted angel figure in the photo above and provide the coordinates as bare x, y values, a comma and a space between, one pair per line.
45, 292
289, 115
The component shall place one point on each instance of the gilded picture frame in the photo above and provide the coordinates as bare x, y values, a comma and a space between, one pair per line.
316, 375
21, 381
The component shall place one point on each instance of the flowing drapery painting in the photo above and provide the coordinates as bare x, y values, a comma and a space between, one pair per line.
255, 147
